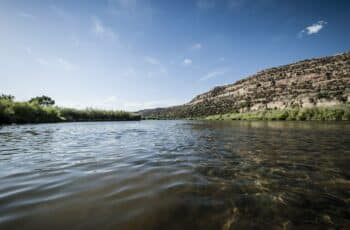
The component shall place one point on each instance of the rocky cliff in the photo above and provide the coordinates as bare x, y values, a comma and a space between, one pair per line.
313, 82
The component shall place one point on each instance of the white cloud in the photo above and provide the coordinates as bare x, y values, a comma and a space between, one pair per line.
58, 11
29, 51
125, 4
59, 62
157, 103
197, 46
41, 61
66, 65
205, 4
213, 74
187, 61
161, 71
111, 99
313, 29
99, 29
129, 72
114, 102
151, 60
76, 41
117, 103
26, 15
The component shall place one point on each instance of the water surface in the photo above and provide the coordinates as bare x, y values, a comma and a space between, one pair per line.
175, 175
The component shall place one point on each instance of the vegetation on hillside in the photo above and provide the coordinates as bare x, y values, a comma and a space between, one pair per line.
340, 112
309, 83
42, 110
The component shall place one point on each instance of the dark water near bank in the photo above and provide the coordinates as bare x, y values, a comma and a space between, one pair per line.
175, 175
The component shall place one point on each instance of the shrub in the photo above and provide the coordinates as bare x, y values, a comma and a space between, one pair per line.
6, 111
35, 112
340, 112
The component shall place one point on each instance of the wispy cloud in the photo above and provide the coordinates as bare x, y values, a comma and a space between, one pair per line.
58, 62
158, 70
205, 4
157, 73
58, 11
66, 65
153, 104
113, 103
76, 40
26, 15
197, 46
100, 30
42, 61
125, 4
29, 51
187, 61
98, 27
151, 60
215, 73
312, 29
129, 72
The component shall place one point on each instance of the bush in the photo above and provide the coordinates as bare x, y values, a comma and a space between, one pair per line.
6, 111
33, 112
97, 115
340, 112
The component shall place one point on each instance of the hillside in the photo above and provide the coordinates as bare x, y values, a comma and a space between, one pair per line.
310, 83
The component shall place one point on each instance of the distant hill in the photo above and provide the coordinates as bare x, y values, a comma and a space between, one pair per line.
310, 83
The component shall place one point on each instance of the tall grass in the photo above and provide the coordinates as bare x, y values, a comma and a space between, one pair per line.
340, 112
26, 112
97, 115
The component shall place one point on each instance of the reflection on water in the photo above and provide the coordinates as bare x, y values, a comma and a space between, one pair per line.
175, 175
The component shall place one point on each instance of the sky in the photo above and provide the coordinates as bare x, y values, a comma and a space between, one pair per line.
138, 54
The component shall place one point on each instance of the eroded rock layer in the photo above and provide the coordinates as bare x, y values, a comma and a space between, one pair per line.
314, 82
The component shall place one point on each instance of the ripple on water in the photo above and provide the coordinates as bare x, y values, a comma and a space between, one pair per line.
175, 175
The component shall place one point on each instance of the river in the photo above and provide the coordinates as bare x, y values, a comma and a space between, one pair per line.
175, 175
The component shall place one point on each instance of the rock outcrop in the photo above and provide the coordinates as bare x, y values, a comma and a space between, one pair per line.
314, 82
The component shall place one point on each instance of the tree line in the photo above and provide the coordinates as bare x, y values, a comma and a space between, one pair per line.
42, 109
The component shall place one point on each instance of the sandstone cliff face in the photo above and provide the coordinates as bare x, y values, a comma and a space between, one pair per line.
315, 82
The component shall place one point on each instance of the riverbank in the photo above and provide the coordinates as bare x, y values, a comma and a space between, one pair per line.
27, 112
339, 112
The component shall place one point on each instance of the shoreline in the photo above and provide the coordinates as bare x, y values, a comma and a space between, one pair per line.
331, 113
339, 112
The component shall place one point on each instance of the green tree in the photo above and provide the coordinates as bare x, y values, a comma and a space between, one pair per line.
7, 97
43, 100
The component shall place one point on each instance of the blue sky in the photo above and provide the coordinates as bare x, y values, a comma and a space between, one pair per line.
134, 54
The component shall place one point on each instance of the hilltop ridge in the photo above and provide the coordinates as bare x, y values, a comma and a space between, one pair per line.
309, 83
